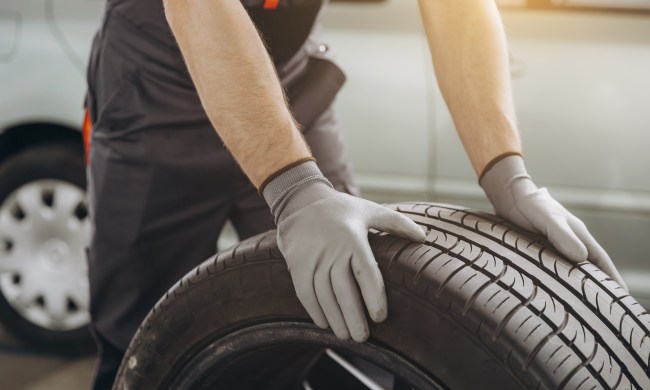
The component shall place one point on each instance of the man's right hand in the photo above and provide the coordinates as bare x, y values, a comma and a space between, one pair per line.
323, 235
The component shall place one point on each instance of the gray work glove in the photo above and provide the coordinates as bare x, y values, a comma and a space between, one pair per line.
516, 198
323, 235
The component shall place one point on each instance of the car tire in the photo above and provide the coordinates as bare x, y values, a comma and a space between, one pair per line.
481, 304
44, 230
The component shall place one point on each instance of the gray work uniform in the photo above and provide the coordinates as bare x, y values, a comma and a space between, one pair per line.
161, 184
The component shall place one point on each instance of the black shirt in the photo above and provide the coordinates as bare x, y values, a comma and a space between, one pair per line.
284, 25
135, 47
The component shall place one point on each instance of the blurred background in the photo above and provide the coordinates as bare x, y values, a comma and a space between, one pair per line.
581, 76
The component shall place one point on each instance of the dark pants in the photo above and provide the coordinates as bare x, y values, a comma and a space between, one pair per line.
161, 187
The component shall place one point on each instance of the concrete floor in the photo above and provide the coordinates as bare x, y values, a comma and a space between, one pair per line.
24, 369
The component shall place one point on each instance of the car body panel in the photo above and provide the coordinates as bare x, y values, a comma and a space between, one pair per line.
10, 23
44, 81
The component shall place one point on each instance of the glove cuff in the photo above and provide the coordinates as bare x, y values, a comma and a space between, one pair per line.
498, 180
294, 189
496, 160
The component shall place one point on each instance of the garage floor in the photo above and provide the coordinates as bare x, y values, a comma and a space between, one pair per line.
22, 368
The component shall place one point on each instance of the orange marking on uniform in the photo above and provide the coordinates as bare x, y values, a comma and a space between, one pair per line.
86, 129
271, 4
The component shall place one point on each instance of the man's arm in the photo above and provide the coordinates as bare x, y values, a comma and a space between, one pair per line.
237, 84
470, 56
321, 233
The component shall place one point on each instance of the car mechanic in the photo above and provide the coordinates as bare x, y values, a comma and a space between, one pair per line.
165, 75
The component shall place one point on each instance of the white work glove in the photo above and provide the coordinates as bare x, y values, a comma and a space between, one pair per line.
323, 235
516, 198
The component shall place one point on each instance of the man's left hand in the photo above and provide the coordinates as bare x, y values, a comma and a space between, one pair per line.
516, 198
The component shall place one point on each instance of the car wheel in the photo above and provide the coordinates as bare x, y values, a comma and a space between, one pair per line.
481, 304
44, 232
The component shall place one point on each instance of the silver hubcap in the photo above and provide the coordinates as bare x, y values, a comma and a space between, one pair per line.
44, 232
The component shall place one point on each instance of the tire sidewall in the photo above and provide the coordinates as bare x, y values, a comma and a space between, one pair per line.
257, 293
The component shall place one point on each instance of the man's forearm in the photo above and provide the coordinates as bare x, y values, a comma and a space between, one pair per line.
237, 84
470, 57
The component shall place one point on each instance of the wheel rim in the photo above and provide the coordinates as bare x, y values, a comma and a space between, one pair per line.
351, 365
44, 232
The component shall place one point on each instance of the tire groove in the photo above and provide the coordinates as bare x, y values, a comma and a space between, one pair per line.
523, 322
475, 295
616, 300
419, 257
581, 383
531, 332
625, 308
553, 354
258, 243
583, 364
587, 274
397, 254
553, 275
467, 281
618, 381
512, 313
447, 251
562, 337
500, 304
561, 363
447, 279
557, 332
487, 345
492, 296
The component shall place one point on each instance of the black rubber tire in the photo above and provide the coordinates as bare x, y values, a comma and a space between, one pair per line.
61, 161
481, 304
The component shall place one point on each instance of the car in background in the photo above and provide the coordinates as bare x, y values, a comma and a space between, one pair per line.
44, 226
581, 88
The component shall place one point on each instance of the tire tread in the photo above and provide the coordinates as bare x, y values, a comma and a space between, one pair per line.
551, 323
